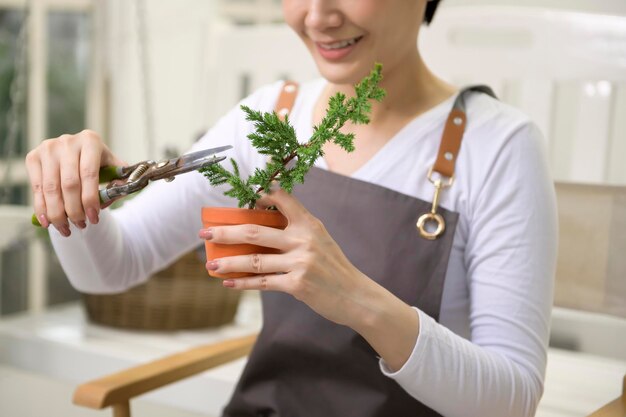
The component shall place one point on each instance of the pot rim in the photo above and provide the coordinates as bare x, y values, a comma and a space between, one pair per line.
236, 215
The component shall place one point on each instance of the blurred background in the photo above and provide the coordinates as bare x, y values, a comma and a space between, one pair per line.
151, 76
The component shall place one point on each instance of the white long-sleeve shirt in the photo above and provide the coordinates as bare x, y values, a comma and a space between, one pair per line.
487, 354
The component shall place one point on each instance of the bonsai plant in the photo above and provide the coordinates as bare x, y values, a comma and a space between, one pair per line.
289, 161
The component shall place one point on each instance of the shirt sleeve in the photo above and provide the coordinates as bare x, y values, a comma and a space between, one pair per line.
159, 224
510, 259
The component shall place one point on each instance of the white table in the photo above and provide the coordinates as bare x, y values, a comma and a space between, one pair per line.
61, 344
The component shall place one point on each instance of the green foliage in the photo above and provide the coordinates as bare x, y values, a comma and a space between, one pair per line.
289, 161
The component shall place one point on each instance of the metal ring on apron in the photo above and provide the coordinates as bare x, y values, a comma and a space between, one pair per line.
426, 219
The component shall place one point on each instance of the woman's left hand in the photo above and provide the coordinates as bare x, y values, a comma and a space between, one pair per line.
313, 269
311, 266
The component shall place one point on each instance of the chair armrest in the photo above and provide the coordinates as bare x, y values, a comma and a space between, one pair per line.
120, 387
616, 408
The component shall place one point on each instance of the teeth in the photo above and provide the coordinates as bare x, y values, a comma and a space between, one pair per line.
339, 45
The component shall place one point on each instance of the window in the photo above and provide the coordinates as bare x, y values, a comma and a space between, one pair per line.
55, 101
67, 71
13, 121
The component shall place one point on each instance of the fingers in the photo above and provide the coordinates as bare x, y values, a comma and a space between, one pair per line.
64, 176
33, 166
71, 183
271, 282
286, 203
254, 263
90, 157
51, 186
248, 233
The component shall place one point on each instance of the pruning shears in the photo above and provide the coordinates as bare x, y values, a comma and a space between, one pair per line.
137, 176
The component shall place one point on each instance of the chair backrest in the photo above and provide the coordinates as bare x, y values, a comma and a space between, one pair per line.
591, 268
566, 70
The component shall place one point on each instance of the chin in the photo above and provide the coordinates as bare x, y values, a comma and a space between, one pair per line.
343, 72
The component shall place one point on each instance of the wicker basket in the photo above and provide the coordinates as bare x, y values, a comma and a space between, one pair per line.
182, 296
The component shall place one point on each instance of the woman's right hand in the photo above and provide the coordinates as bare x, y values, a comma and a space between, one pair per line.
64, 178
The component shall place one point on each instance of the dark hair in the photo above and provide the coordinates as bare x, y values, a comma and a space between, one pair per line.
431, 7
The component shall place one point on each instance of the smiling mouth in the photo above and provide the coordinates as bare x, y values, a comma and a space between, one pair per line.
339, 44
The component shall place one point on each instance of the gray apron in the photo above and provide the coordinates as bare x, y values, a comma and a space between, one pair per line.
306, 366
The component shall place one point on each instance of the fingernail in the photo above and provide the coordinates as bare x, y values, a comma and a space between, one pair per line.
212, 265
92, 215
81, 224
228, 283
43, 221
206, 234
64, 230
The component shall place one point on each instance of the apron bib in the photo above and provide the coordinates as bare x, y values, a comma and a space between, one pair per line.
306, 366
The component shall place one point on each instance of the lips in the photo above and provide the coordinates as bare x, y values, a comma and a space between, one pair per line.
339, 44
337, 49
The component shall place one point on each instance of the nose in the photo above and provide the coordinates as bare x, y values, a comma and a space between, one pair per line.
322, 15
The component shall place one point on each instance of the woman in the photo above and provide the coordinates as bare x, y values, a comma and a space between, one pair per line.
362, 315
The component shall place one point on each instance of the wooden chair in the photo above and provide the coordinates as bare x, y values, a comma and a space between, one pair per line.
118, 389
616, 408
591, 266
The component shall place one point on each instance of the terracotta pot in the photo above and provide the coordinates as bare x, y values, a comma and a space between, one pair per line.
223, 216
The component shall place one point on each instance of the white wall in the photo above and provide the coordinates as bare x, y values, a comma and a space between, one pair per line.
598, 6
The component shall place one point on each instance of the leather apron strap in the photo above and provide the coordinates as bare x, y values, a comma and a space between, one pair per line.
286, 99
453, 132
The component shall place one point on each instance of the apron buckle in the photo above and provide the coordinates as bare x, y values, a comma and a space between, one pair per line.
433, 217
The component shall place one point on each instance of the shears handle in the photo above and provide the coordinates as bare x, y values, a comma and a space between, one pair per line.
110, 173
106, 174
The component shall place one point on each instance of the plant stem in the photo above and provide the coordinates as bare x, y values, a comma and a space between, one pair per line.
285, 162
291, 156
